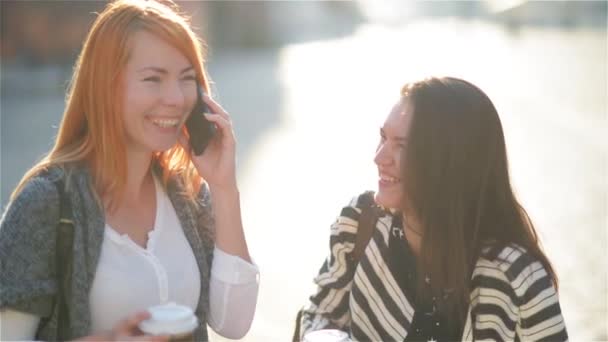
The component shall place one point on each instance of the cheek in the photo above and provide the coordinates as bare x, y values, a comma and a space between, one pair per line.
127, 103
132, 108
398, 155
141, 99
132, 98
189, 90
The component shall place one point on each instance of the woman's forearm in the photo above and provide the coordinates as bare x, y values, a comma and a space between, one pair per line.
228, 223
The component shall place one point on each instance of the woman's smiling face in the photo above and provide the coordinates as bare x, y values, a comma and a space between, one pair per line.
393, 137
159, 90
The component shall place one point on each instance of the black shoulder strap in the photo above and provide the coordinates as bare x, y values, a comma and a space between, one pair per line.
63, 261
63, 265
367, 222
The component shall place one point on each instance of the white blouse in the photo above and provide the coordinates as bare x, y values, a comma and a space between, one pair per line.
130, 278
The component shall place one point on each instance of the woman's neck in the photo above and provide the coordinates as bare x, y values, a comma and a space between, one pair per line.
139, 175
413, 232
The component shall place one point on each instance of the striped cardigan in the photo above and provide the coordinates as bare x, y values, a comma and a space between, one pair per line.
513, 298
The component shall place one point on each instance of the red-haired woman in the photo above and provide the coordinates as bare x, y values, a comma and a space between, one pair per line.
456, 257
144, 230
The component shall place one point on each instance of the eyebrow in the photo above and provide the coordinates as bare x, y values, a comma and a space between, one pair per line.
399, 139
163, 71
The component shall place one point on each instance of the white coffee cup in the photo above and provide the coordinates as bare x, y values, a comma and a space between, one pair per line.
326, 335
177, 321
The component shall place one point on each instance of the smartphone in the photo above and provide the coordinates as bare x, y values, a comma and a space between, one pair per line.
199, 128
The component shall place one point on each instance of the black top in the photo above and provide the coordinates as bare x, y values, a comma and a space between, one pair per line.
428, 323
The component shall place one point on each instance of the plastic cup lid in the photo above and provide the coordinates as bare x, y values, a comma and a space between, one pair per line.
171, 319
326, 335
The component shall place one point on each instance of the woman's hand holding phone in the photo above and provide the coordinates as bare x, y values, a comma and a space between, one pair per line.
217, 162
200, 130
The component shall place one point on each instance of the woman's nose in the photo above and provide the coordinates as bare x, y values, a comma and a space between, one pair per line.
382, 156
174, 95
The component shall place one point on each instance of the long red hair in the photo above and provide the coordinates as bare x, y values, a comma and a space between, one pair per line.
91, 131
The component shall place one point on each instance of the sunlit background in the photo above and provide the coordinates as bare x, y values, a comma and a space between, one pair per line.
308, 85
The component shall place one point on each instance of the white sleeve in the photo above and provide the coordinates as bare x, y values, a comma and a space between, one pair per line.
17, 325
233, 293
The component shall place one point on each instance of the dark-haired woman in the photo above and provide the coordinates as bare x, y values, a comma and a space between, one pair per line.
453, 255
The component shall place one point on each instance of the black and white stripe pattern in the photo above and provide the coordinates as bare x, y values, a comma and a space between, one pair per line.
513, 298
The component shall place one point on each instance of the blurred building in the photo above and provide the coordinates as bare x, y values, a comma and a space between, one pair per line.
555, 13
51, 32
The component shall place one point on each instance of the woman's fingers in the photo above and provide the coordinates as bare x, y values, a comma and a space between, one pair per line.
215, 107
120, 338
130, 324
128, 329
224, 125
146, 338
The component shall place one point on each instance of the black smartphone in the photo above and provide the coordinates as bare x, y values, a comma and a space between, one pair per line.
199, 128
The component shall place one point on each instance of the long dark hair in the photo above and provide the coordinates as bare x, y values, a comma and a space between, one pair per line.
456, 183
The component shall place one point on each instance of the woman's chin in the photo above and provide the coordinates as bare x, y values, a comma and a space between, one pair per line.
162, 145
391, 201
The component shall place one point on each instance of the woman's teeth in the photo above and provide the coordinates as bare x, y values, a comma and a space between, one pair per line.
389, 179
165, 123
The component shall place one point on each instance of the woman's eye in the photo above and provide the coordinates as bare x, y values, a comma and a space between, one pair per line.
190, 78
152, 79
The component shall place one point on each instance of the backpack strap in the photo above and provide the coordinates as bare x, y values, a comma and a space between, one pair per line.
367, 222
63, 264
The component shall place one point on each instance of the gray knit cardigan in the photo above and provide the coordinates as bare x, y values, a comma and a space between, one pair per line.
27, 247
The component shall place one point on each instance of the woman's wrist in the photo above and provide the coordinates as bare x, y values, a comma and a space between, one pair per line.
227, 189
